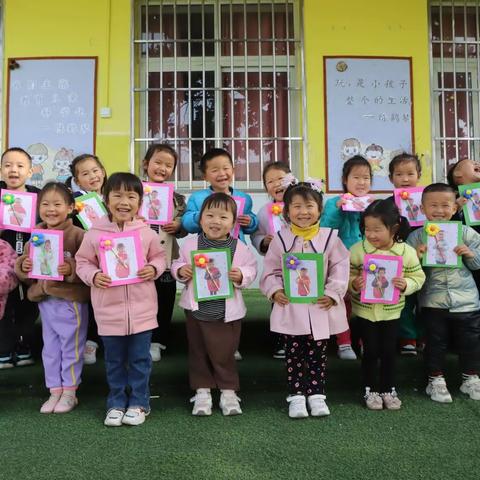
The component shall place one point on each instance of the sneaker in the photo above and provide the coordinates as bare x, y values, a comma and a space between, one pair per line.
345, 352
391, 400
230, 403
6, 362
114, 417
437, 389
90, 352
471, 386
67, 402
280, 353
134, 416
155, 352
24, 359
297, 407
408, 349
318, 407
203, 403
238, 355
50, 404
373, 400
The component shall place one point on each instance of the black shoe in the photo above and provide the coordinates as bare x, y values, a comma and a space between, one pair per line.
24, 359
6, 362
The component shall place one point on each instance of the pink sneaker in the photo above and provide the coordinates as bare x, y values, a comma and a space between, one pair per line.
50, 404
68, 401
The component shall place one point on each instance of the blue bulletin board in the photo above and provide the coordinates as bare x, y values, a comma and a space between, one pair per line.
368, 111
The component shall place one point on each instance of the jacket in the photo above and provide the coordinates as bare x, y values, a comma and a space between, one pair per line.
308, 318
8, 280
263, 228
124, 309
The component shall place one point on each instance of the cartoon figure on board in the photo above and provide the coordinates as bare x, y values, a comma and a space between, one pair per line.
350, 148
39, 154
61, 163
374, 155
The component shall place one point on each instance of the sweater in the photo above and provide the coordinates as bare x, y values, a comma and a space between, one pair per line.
8, 280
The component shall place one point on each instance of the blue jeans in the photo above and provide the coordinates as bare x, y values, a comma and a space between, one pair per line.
128, 364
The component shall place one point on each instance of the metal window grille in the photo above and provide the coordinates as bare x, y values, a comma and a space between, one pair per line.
455, 69
219, 73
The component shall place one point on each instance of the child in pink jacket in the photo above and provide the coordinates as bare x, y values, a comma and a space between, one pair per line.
125, 314
213, 326
306, 327
8, 280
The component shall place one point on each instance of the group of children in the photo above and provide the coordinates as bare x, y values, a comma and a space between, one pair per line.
132, 320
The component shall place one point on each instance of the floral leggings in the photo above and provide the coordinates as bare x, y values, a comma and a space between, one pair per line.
306, 362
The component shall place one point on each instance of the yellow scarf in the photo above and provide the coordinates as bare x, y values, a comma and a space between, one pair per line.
306, 232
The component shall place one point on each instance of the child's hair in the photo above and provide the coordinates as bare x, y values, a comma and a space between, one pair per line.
356, 161
212, 153
404, 158
159, 147
59, 187
127, 181
304, 190
450, 178
387, 212
85, 156
437, 188
283, 167
18, 150
220, 200
382, 268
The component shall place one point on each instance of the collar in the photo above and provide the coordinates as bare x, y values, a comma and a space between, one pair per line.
318, 242
63, 226
307, 233
398, 248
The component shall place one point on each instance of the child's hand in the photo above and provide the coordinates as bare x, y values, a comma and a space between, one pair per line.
463, 251
358, 283
185, 272
101, 280
400, 283
27, 265
341, 202
421, 250
280, 298
65, 269
325, 302
244, 220
147, 272
172, 228
461, 202
267, 239
235, 275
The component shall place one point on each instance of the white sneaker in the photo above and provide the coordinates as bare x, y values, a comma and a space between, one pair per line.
155, 352
134, 416
237, 355
203, 402
297, 407
437, 389
114, 418
345, 352
230, 403
471, 387
90, 352
318, 407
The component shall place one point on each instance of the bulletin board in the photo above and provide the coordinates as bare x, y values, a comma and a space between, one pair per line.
368, 111
51, 111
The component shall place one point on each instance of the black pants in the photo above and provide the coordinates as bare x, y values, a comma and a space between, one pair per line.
92, 332
166, 291
379, 344
441, 325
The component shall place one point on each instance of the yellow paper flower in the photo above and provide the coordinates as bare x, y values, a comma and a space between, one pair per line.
147, 189
372, 267
79, 206
432, 229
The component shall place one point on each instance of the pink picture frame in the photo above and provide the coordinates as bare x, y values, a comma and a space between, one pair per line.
408, 201
275, 220
157, 205
46, 254
352, 202
240, 201
21, 214
378, 280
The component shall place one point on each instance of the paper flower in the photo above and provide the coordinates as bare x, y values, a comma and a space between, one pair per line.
292, 262
8, 199
371, 267
79, 206
432, 229
147, 189
106, 243
316, 184
289, 179
404, 195
276, 209
200, 260
38, 239
468, 193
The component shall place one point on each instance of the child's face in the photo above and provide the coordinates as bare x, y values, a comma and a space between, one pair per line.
438, 206
216, 223
219, 173
303, 212
377, 233
358, 181
381, 272
273, 184
123, 205
467, 172
441, 235
16, 169
89, 175
405, 175
53, 209
160, 167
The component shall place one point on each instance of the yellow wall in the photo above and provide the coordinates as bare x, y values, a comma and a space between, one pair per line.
377, 28
80, 28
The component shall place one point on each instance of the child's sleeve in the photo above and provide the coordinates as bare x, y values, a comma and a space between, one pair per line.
191, 217
156, 256
248, 266
412, 271
87, 261
472, 240
178, 263
73, 277
8, 280
338, 268
253, 218
272, 279
332, 216
356, 266
258, 236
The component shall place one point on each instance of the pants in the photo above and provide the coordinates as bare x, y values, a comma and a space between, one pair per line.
465, 327
166, 300
64, 331
92, 332
410, 326
128, 364
306, 362
379, 344
211, 349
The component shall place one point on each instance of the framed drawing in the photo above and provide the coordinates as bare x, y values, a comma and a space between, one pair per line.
157, 206
18, 210
355, 204
471, 210
46, 254
90, 207
441, 238
275, 217
408, 201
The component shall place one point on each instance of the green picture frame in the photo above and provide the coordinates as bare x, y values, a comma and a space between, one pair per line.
472, 206
92, 200
210, 280
451, 237
312, 288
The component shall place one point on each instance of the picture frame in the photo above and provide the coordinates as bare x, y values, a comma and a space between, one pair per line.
121, 257
355, 204
303, 276
90, 208
210, 274
18, 210
157, 205
275, 217
378, 272
240, 201
441, 238
471, 210
408, 201
46, 254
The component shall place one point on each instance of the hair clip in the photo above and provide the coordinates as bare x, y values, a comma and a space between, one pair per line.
289, 179
315, 184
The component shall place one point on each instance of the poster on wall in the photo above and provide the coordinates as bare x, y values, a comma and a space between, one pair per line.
368, 112
51, 105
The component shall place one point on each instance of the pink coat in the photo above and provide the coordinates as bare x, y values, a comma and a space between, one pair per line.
308, 318
8, 280
244, 259
124, 309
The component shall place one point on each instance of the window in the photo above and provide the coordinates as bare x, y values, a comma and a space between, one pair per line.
219, 73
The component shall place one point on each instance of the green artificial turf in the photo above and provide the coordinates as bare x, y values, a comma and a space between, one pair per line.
422, 440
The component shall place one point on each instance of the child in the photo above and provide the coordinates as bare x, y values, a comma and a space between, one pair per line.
383, 228
126, 314
8, 279
213, 326
450, 301
356, 180
17, 325
63, 305
306, 327
158, 166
